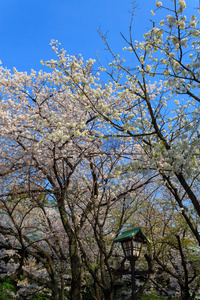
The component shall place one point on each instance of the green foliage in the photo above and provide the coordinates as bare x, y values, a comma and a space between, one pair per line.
152, 296
38, 297
87, 296
155, 296
6, 287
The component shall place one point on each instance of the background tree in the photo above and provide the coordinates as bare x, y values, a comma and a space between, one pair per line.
173, 248
39, 247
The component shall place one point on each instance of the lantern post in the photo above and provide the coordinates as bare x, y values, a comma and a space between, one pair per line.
132, 241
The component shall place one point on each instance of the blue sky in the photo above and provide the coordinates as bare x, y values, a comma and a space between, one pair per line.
27, 27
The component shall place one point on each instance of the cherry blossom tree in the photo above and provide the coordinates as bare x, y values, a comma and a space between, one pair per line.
53, 158
89, 149
44, 138
152, 102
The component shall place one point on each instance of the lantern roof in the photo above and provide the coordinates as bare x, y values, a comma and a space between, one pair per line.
132, 234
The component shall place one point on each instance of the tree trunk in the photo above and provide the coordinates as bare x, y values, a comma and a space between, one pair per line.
55, 292
75, 269
75, 263
108, 294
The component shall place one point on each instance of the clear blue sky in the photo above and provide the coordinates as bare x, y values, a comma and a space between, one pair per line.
27, 27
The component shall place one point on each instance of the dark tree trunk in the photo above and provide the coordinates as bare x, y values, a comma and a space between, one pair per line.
76, 271
108, 294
